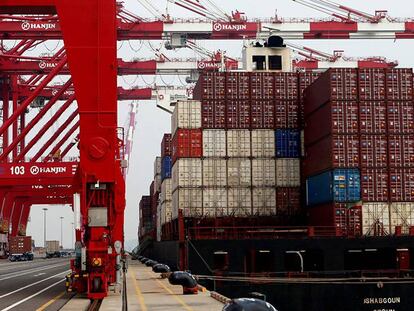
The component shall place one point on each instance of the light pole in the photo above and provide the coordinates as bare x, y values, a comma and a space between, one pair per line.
44, 226
73, 232
61, 231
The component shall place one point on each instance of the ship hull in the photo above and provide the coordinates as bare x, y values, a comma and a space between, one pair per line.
334, 284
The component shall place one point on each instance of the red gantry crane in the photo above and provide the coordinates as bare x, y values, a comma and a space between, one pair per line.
94, 185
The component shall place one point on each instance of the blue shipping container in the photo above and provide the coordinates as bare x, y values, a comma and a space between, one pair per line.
166, 165
287, 143
339, 185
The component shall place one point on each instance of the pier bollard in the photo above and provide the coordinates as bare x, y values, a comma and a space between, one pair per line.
186, 280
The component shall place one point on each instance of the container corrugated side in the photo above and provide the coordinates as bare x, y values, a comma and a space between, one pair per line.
166, 165
238, 172
287, 143
263, 143
157, 183
264, 201
186, 115
376, 219
263, 172
214, 143
402, 214
166, 212
166, 190
187, 172
340, 185
287, 172
157, 166
240, 201
238, 143
189, 200
215, 202
214, 172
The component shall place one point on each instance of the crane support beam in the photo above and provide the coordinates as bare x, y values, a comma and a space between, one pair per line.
220, 30
55, 135
35, 120
44, 128
62, 141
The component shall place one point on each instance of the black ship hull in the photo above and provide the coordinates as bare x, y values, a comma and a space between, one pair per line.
313, 274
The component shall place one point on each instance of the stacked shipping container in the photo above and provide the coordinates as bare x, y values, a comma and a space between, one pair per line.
361, 121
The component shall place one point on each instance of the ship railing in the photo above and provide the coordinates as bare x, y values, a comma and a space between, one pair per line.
263, 232
315, 276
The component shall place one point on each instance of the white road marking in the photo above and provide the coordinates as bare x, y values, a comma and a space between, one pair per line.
17, 274
30, 297
39, 274
32, 284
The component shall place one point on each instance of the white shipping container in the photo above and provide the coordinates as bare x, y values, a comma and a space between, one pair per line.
214, 143
375, 219
214, 202
157, 183
189, 200
157, 166
287, 172
159, 226
263, 173
186, 172
166, 190
263, 143
402, 214
264, 201
238, 143
239, 202
186, 115
166, 212
239, 172
214, 172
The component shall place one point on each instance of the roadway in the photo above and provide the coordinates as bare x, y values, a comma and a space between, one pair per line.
34, 285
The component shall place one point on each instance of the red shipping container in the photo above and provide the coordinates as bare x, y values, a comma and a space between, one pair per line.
397, 185
371, 84
237, 85
262, 114
401, 150
262, 85
399, 83
287, 114
286, 85
237, 114
334, 151
306, 79
374, 185
344, 220
210, 85
374, 152
288, 201
338, 117
187, 144
20, 244
400, 116
409, 185
213, 114
166, 145
152, 189
334, 84
154, 204
372, 117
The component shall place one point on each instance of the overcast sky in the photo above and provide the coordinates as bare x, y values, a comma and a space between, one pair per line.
152, 122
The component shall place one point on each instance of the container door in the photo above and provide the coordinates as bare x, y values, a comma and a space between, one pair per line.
403, 259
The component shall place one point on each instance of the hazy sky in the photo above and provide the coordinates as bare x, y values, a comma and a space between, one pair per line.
152, 122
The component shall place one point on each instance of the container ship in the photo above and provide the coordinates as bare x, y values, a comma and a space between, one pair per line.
294, 186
